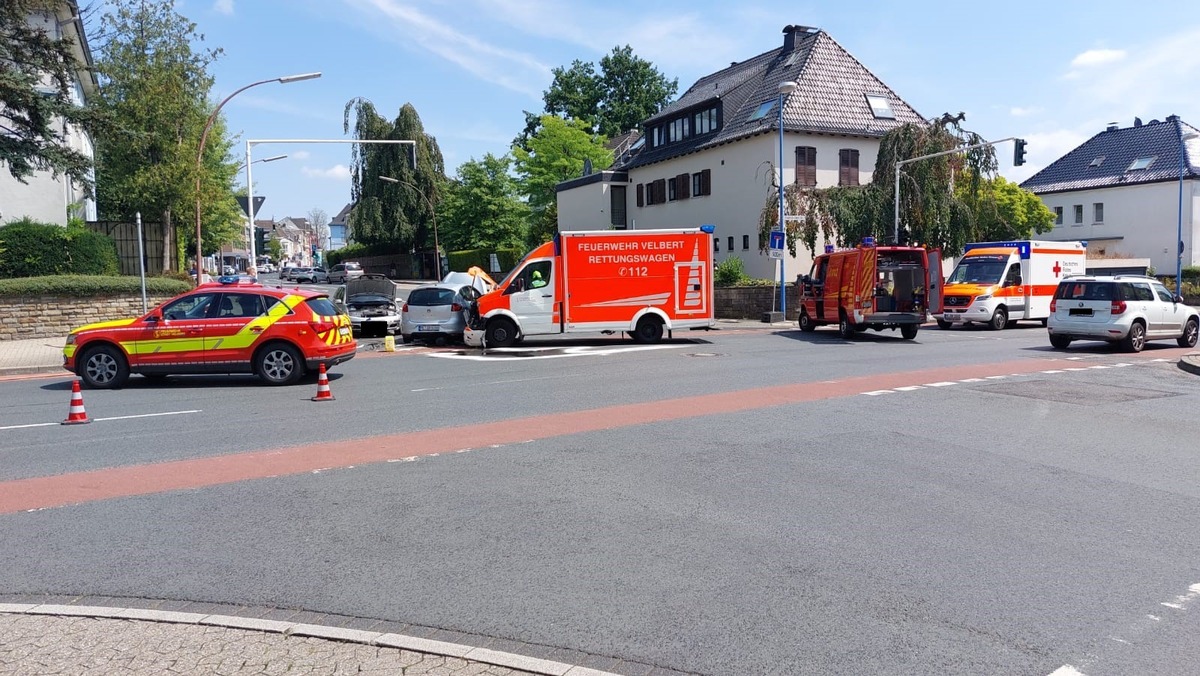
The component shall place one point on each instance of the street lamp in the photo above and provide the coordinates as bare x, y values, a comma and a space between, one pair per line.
1179, 231
265, 159
785, 88
287, 79
432, 210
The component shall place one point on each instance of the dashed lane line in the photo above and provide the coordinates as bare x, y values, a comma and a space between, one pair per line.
948, 383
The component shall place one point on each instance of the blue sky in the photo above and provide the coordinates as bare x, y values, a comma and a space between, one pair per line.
1054, 72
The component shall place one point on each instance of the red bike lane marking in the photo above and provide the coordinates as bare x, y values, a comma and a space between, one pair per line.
80, 487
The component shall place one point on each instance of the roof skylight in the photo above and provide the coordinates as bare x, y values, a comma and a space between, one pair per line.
762, 110
1142, 163
1097, 162
881, 107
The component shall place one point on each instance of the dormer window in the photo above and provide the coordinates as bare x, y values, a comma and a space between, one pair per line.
1097, 162
881, 107
762, 110
1142, 163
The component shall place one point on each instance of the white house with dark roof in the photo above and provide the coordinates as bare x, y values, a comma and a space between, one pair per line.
710, 157
45, 197
1121, 192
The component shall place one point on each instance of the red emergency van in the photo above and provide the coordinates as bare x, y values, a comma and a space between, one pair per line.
871, 287
643, 282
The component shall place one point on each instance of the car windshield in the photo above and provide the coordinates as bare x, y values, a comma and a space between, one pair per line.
978, 270
430, 297
353, 266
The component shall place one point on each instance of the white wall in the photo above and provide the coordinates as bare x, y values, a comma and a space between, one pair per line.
741, 186
1145, 217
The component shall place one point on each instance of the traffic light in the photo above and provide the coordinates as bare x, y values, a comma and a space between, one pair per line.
260, 241
1019, 152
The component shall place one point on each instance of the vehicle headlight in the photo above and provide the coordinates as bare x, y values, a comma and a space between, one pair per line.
71, 339
986, 296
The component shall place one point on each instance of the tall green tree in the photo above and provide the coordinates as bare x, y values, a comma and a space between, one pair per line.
945, 202
614, 99
556, 153
155, 88
396, 216
483, 207
37, 71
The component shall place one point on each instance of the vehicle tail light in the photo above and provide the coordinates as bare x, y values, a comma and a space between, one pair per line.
322, 327
1118, 306
1053, 304
405, 308
455, 307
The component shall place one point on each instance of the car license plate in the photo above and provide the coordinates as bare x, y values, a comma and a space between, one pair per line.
344, 330
951, 317
428, 327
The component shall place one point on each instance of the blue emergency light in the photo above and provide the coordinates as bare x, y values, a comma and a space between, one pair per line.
228, 279
828, 248
710, 229
868, 241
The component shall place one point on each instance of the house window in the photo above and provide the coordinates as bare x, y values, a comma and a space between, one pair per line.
745, 242
847, 166
716, 245
1058, 215
657, 137
731, 242
671, 189
806, 166
702, 183
705, 121
1078, 214
1096, 162
1098, 212
880, 107
1142, 163
616, 206
762, 110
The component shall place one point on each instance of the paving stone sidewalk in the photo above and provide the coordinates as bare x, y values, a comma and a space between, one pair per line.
47, 644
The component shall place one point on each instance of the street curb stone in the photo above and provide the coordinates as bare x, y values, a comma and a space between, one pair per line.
1190, 363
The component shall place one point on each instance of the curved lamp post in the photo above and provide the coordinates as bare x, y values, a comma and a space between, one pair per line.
785, 88
437, 246
287, 79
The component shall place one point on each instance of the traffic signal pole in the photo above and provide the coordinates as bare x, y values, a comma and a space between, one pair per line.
1019, 154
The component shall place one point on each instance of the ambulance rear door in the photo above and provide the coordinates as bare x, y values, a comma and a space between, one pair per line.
933, 273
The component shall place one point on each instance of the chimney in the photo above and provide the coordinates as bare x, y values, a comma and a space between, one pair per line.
789, 38
1112, 126
1137, 121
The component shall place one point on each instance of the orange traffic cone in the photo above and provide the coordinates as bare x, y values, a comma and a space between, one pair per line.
76, 415
323, 393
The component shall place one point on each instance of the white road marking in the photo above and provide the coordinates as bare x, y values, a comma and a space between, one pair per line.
1051, 371
971, 380
578, 351
1074, 358
1100, 366
994, 377
1076, 368
1067, 670
118, 417
1121, 365
944, 383
876, 393
910, 388
146, 415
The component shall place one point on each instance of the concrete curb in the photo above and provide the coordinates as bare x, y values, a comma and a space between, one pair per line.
1190, 363
372, 638
29, 370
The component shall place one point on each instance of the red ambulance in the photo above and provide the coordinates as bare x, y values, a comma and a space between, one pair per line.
643, 282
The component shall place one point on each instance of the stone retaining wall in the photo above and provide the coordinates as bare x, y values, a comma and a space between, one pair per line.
55, 316
750, 302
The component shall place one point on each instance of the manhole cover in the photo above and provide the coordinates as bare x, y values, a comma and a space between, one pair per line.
1073, 392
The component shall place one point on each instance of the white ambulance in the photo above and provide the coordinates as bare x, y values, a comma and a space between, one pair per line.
998, 283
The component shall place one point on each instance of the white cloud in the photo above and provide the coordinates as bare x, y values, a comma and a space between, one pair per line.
223, 7
1098, 57
1144, 80
300, 155
338, 172
1018, 111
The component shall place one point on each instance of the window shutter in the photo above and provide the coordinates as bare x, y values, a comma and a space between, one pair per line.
685, 184
806, 166
852, 168
843, 167
660, 190
641, 195
706, 182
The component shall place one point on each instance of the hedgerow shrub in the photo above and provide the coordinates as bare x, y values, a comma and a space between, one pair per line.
463, 260
89, 286
32, 249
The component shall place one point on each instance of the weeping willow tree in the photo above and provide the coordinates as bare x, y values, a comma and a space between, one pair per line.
945, 202
396, 216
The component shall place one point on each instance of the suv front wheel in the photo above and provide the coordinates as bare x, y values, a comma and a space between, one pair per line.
1188, 339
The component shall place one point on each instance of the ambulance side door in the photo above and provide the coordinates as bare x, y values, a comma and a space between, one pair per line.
833, 287
531, 298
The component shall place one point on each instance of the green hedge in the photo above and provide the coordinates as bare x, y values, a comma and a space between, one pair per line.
89, 286
463, 260
32, 249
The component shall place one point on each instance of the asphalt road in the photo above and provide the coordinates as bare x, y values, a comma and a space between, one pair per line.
733, 502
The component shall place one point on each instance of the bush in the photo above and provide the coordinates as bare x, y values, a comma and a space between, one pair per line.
32, 249
463, 260
730, 272
89, 286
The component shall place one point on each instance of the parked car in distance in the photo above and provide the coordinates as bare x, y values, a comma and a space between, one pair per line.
228, 270
310, 275
285, 272
229, 326
344, 272
1124, 309
436, 313
371, 302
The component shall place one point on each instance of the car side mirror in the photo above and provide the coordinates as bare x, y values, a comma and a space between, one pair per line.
154, 317
1178, 298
